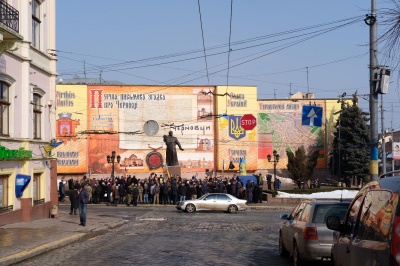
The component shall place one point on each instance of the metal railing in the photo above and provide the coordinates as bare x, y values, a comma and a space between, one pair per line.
38, 202
9, 16
6, 209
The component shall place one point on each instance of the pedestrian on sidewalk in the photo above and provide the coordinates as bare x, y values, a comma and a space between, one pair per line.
73, 198
61, 190
83, 201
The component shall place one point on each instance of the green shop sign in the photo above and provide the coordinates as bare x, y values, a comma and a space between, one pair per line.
21, 153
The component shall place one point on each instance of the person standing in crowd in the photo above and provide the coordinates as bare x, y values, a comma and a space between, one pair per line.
97, 193
74, 199
89, 190
146, 193
61, 190
156, 199
269, 181
83, 201
116, 195
174, 193
135, 194
182, 192
129, 195
140, 196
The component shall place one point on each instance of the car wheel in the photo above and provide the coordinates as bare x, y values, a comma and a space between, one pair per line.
190, 208
232, 209
296, 256
282, 250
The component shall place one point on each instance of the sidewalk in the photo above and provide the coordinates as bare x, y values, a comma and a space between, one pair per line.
21, 241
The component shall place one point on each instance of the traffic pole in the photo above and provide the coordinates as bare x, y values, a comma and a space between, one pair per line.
373, 97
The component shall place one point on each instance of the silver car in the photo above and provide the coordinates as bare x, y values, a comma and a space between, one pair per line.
214, 202
304, 234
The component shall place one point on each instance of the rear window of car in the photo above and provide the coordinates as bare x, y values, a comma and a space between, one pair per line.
321, 212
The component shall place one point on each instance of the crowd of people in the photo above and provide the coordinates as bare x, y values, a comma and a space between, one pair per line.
156, 189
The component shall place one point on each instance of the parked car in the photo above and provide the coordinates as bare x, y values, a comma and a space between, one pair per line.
370, 231
304, 235
213, 201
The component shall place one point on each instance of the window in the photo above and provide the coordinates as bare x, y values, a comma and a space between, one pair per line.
36, 187
376, 215
306, 213
37, 116
4, 109
351, 219
36, 23
3, 191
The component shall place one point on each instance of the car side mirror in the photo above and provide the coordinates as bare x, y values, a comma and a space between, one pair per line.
333, 223
283, 217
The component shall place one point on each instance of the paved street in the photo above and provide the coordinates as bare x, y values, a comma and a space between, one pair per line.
165, 236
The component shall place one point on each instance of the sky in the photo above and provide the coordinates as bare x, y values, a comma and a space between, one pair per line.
282, 47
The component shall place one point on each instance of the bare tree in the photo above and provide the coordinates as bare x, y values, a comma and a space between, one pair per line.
390, 38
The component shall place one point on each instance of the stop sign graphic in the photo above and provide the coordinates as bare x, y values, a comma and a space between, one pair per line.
248, 122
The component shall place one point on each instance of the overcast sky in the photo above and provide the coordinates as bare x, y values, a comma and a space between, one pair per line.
281, 47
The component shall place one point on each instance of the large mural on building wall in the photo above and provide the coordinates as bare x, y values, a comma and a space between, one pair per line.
118, 116
281, 127
236, 144
71, 118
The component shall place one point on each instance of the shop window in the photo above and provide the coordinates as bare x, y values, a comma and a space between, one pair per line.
37, 116
36, 24
36, 187
4, 109
3, 191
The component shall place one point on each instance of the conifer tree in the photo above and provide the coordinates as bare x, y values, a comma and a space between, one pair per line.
301, 165
350, 155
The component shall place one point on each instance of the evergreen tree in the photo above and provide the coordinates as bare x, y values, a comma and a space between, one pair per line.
301, 165
351, 143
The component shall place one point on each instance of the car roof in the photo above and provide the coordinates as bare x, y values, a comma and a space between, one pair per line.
390, 182
327, 201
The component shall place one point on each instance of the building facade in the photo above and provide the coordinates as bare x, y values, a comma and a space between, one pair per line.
217, 126
28, 173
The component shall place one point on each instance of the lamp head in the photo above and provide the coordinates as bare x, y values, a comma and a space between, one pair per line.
269, 157
118, 158
113, 154
277, 157
108, 159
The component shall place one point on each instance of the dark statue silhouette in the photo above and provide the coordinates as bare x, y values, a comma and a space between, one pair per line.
171, 155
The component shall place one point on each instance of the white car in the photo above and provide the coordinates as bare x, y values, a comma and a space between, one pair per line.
213, 202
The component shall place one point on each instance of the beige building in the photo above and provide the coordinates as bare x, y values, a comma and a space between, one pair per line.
27, 109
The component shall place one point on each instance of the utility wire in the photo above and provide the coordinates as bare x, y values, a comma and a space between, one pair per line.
204, 47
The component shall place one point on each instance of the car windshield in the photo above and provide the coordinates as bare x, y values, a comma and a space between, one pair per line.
322, 211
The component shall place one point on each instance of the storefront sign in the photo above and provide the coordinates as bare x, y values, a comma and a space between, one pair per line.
21, 153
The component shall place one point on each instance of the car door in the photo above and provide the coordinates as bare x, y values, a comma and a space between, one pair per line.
208, 203
288, 227
341, 246
223, 202
370, 242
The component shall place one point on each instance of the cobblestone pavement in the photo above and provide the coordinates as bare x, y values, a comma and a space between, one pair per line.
165, 236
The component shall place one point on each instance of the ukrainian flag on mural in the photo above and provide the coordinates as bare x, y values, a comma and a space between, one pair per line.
235, 129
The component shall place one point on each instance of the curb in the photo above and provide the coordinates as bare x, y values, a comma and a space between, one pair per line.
33, 252
26, 254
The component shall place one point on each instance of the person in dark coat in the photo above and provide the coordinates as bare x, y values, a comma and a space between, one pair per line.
83, 200
61, 190
73, 198
269, 181
135, 194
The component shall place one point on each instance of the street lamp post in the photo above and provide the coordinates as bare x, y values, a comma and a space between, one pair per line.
111, 159
275, 161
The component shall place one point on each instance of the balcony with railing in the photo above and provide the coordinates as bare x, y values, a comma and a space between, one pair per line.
9, 27
9, 17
